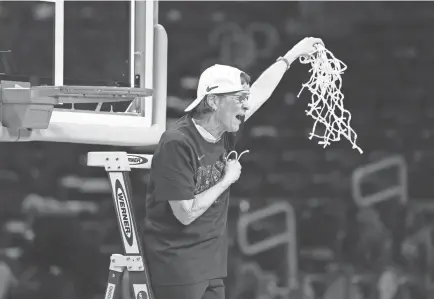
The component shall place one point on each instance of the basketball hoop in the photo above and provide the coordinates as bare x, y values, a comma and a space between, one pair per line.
326, 106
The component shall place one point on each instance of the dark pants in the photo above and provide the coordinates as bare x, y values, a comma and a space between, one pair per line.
210, 289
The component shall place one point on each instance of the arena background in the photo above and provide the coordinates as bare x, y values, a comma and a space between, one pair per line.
49, 249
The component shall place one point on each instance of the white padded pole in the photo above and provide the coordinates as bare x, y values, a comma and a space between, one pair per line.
132, 40
59, 26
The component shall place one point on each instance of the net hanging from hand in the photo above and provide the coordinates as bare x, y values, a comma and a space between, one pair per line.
326, 106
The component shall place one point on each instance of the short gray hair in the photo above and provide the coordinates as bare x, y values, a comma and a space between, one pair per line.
202, 108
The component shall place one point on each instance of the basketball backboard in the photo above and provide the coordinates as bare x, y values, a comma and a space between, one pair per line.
85, 114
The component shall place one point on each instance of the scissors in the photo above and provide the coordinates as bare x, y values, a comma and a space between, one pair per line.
236, 155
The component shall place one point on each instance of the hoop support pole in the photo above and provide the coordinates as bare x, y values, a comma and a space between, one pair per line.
59, 26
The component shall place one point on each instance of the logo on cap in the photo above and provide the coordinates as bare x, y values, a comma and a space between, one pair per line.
208, 89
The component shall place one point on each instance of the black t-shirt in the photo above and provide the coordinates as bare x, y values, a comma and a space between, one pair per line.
185, 164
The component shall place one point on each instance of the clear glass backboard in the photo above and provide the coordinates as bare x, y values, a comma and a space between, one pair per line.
125, 109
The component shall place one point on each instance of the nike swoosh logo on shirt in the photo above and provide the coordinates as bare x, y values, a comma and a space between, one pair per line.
200, 158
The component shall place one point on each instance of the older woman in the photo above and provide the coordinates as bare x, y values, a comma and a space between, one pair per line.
191, 174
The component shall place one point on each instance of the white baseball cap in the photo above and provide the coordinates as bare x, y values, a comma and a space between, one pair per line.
217, 79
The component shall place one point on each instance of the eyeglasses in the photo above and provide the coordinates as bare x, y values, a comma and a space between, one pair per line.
241, 98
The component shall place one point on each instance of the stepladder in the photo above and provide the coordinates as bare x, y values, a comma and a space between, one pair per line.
118, 165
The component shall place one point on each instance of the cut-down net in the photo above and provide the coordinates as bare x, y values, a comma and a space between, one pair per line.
326, 107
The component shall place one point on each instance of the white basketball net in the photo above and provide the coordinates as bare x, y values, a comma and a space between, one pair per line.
327, 106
